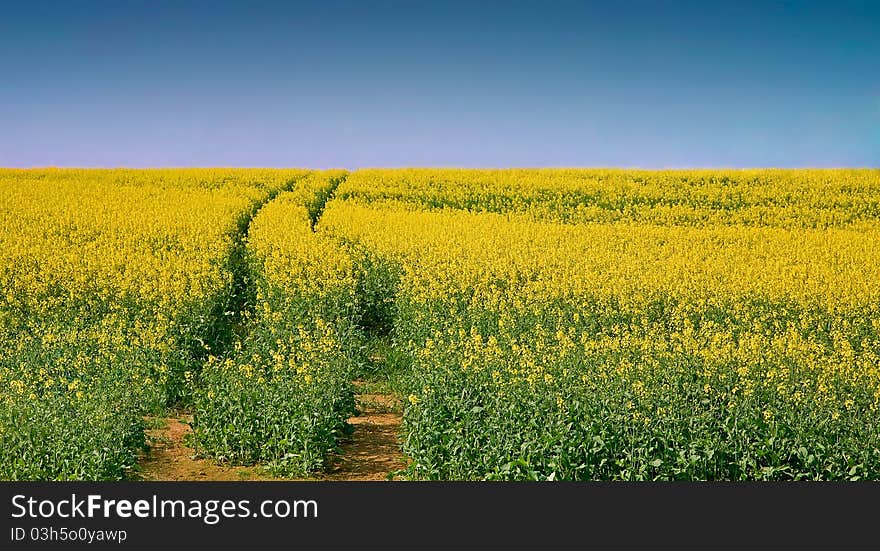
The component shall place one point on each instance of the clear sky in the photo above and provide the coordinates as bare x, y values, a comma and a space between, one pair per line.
478, 83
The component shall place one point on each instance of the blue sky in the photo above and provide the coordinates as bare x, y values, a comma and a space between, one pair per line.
474, 84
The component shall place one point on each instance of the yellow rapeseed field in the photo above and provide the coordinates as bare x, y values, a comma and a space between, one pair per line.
612, 324
283, 393
545, 324
110, 282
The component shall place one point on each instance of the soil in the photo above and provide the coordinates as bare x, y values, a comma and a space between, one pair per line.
370, 452
171, 458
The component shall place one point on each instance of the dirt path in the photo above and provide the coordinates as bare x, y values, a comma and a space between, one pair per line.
372, 451
171, 458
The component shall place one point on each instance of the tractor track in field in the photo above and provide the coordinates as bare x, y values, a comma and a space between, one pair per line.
371, 451
169, 456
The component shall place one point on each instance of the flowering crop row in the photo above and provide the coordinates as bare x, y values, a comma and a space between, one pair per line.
282, 395
114, 283
601, 337
782, 198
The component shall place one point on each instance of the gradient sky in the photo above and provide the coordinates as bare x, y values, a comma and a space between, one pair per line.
353, 84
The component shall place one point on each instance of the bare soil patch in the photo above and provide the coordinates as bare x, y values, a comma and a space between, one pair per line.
372, 450
171, 458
